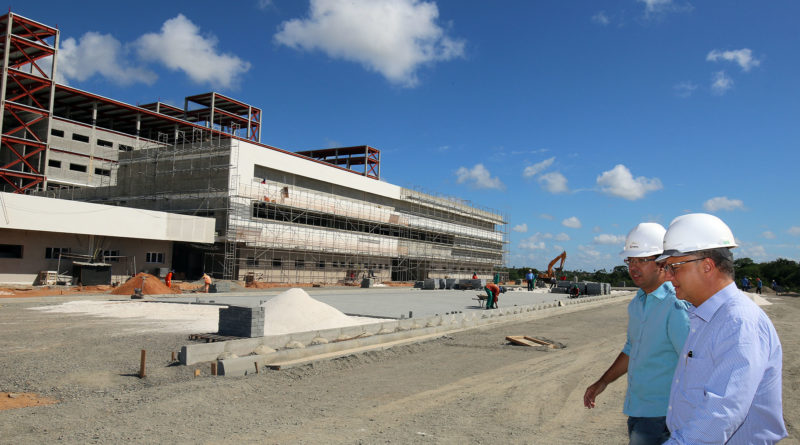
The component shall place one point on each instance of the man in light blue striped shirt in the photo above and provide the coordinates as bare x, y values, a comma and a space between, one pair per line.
657, 328
727, 386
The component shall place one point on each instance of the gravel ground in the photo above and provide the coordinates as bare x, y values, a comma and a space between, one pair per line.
470, 387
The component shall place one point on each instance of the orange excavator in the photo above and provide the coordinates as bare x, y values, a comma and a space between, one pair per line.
551, 274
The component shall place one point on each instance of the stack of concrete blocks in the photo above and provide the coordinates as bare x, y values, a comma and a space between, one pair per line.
450, 283
241, 321
429, 283
442, 283
469, 283
366, 282
594, 288
606, 288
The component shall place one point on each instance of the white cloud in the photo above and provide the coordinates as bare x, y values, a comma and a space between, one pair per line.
264, 4
532, 245
742, 57
554, 182
478, 177
601, 18
620, 182
720, 83
535, 241
537, 168
180, 47
546, 216
572, 222
98, 54
562, 237
521, 228
391, 37
768, 234
753, 251
684, 89
723, 203
794, 230
658, 7
596, 229
605, 238
589, 253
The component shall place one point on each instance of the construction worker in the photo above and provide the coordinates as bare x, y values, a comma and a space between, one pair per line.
168, 279
492, 294
207, 282
658, 324
530, 278
727, 385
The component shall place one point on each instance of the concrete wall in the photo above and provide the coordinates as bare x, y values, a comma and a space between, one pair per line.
250, 155
100, 152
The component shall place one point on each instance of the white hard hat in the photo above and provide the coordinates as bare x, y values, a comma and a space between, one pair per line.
696, 231
646, 239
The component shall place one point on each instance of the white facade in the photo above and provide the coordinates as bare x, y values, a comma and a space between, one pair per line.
35, 230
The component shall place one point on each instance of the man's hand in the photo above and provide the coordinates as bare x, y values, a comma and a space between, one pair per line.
592, 392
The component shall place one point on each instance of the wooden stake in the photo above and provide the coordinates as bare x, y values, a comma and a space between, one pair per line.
213, 368
141, 367
173, 356
196, 372
256, 363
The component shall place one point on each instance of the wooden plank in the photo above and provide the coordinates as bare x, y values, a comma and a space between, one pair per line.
523, 340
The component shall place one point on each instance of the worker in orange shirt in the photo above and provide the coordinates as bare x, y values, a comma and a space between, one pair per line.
207, 281
168, 279
492, 294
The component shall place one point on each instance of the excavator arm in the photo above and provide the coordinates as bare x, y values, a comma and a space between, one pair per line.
550, 273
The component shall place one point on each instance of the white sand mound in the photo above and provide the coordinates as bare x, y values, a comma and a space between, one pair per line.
295, 311
757, 299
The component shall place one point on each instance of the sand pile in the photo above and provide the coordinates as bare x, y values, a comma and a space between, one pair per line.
295, 311
152, 286
757, 299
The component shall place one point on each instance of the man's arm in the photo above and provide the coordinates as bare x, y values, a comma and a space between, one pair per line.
615, 371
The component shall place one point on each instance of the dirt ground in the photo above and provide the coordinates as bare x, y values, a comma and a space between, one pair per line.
472, 387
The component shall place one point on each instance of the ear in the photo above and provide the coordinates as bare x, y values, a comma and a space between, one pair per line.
708, 265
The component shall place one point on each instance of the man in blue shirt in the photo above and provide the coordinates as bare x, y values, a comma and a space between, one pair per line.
727, 386
529, 277
657, 328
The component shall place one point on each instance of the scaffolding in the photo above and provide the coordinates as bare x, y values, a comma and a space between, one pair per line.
278, 227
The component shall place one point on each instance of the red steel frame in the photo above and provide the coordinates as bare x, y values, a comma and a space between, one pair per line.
26, 100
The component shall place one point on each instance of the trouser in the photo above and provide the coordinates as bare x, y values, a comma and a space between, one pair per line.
530, 284
647, 430
489, 299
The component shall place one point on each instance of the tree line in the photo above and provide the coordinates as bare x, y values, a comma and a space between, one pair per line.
786, 273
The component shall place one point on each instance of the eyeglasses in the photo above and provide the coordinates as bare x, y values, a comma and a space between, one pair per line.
671, 268
637, 261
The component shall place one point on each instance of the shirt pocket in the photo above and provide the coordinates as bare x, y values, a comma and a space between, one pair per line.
693, 386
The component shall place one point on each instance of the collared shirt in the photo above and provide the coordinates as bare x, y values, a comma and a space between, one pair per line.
727, 386
657, 328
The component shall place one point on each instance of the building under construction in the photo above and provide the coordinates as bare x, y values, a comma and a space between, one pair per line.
316, 216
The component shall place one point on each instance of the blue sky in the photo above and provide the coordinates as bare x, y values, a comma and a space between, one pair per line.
575, 119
